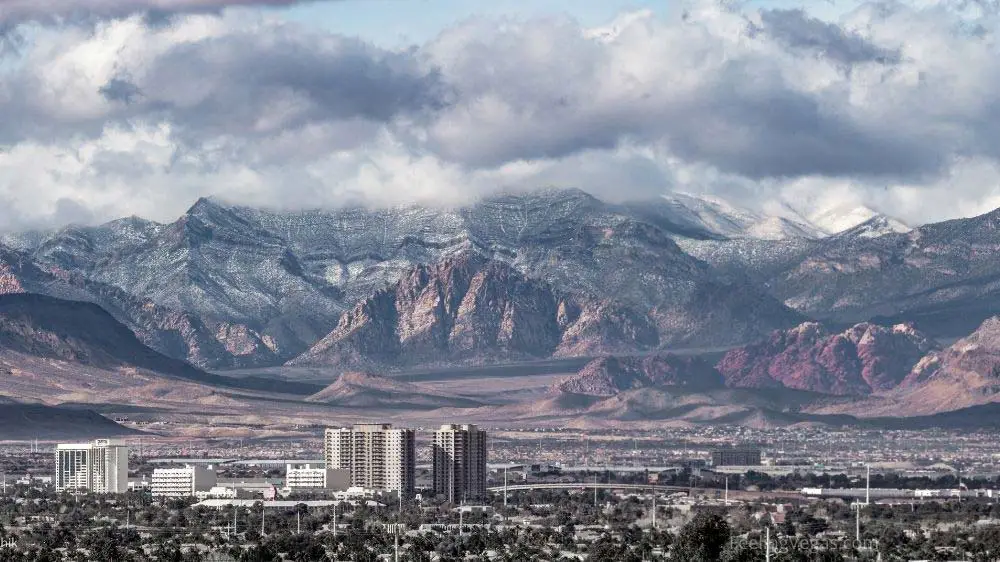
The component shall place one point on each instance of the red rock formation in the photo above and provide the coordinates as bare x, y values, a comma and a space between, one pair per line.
863, 359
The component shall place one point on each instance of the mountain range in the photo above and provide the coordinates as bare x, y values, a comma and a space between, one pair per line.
227, 286
844, 312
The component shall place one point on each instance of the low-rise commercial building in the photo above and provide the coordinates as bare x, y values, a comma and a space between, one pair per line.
744, 456
182, 482
312, 477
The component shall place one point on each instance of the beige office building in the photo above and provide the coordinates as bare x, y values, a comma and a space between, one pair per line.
459, 462
337, 448
100, 466
378, 456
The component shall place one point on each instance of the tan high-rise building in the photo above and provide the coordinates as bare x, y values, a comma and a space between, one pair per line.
459, 458
337, 448
378, 456
100, 466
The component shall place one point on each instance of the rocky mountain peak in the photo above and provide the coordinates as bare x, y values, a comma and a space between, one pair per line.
467, 308
875, 227
863, 359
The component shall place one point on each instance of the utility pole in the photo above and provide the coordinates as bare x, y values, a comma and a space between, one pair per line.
767, 544
727, 490
857, 523
261, 519
335, 520
595, 490
960, 485
298, 523
396, 540
868, 484
505, 486
654, 509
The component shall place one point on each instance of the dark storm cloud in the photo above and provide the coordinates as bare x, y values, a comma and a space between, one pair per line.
780, 133
798, 30
744, 115
54, 11
239, 84
11, 40
120, 89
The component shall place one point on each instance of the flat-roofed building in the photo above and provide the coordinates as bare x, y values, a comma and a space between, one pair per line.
459, 462
337, 447
100, 466
736, 456
306, 476
378, 456
182, 482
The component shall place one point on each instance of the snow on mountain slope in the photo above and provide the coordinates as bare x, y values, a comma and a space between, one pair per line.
275, 283
704, 217
841, 218
875, 227
725, 220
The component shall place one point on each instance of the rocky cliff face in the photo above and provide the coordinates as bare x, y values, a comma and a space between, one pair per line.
976, 356
233, 286
609, 376
468, 308
202, 341
964, 375
861, 360
942, 277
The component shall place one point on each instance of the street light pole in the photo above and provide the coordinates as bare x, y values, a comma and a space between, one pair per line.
654, 509
595, 490
767, 544
505, 486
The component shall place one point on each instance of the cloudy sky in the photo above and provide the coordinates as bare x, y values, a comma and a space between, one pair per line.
119, 107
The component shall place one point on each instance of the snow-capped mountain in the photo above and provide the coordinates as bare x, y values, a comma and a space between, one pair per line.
268, 285
704, 217
842, 218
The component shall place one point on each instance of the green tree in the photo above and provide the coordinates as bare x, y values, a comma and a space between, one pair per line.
702, 539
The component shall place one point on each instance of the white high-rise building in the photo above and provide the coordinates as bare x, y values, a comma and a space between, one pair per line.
182, 482
459, 462
378, 456
100, 466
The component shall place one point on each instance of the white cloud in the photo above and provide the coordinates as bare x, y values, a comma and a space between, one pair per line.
895, 107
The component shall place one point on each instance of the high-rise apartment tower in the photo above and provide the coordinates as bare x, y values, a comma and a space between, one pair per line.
459, 457
378, 456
